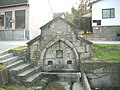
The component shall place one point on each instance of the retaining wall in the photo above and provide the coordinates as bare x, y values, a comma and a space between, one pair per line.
85, 82
111, 33
102, 74
4, 77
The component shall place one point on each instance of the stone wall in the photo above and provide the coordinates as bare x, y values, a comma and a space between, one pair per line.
85, 82
35, 51
59, 45
14, 34
58, 29
111, 33
4, 77
102, 74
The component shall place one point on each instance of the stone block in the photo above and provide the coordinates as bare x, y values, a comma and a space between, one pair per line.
4, 78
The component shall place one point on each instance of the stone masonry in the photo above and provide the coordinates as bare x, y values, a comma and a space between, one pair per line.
58, 47
110, 33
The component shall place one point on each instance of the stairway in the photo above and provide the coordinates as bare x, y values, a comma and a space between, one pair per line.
25, 73
18, 70
7, 59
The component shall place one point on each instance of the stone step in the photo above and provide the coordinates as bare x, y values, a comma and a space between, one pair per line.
3, 53
33, 78
28, 73
21, 68
9, 60
15, 64
6, 56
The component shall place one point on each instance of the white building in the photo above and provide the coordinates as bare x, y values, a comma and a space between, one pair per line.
106, 19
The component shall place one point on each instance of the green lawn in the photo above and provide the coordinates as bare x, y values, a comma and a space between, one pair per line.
106, 52
12, 87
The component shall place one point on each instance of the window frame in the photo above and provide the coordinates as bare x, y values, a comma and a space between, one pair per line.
8, 20
97, 21
2, 20
110, 13
59, 53
50, 62
16, 20
69, 62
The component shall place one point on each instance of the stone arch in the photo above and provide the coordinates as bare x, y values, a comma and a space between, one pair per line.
68, 43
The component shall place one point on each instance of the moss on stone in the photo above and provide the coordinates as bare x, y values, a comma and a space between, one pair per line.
20, 48
2, 66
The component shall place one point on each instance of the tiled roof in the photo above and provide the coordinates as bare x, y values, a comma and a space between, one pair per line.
7, 3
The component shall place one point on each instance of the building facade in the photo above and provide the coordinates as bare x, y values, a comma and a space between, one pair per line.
14, 20
58, 47
105, 19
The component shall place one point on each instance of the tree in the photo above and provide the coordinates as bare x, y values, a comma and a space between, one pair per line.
68, 16
76, 16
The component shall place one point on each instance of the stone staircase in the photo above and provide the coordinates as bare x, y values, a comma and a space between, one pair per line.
19, 71
7, 58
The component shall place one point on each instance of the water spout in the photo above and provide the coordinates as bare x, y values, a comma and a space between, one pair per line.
78, 77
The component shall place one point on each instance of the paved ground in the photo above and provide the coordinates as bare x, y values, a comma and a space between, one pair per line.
7, 45
106, 42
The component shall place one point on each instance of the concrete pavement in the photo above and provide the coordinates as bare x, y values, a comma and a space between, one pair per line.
105, 42
7, 45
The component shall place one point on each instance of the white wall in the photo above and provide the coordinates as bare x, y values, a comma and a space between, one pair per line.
105, 4
38, 16
13, 9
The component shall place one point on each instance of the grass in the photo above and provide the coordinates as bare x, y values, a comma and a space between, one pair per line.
19, 48
12, 87
106, 52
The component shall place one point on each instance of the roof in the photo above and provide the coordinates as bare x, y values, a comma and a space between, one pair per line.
85, 40
59, 18
33, 40
40, 37
88, 15
90, 4
11, 3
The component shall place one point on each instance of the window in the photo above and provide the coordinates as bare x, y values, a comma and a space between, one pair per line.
59, 53
8, 20
1, 20
108, 13
69, 62
20, 19
50, 63
97, 21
